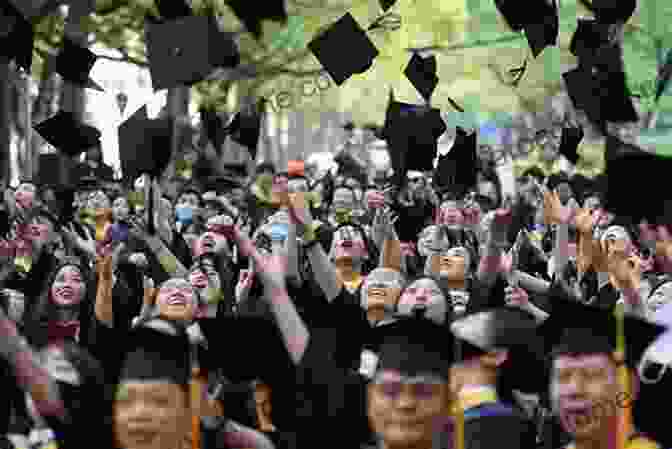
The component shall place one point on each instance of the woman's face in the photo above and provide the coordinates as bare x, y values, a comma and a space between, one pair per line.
99, 200
213, 240
348, 243
381, 289
405, 412
426, 296
120, 209
25, 195
177, 300
450, 264
68, 288
149, 415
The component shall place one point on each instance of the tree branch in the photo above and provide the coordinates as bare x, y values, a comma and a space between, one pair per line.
125, 58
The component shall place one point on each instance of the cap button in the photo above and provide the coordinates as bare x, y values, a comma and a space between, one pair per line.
177, 51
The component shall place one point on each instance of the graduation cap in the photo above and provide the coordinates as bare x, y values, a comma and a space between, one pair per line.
589, 37
624, 162
173, 9
412, 129
569, 142
505, 329
251, 14
74, 63
67, 134
387, 4
214, 127
610, 12
456, 171
186, 50
144, 144
51, 172
245, 129
155, 355
575, 328
328, 49
414, 346
421, 72
17, 43
538, 18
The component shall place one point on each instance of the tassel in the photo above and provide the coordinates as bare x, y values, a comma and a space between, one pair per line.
624, 421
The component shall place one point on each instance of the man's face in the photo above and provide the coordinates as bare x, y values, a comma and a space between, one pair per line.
407, 412
177, 300
149, 415
121, 209
584, 390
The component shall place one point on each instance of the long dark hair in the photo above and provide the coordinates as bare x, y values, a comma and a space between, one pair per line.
41, 312
227, 272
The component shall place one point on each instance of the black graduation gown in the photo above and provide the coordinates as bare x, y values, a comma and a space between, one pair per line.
497, 425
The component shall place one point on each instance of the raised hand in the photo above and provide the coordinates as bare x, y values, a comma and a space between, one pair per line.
516, 297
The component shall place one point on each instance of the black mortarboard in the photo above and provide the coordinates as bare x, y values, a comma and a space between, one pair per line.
144, 144
17, 42
51, 171
624, 162
609, 12
569, 142
214, 127
416, 129
235, 170
187, 50
456, 171
505, 329
245, 129
67, 134
387, 4
173, 9
155, 355
328, 49
421, 72
589, 37
251, 14
575, 328
29, 9
538, 18
414, 346
74, 63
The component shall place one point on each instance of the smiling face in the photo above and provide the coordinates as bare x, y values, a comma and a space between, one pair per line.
426, 296
68, 288
348, 243
407, 412
583, 391
205, 279
149, 415
213, 241
450, 264
381, 289
25, 195
450, 214
177, 300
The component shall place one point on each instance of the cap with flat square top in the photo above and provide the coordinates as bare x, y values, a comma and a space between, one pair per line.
328, 49
157, 355
17, 42
67, 134
412, 129
589, 37
414, 346
610, 12
251, 14
456, 171
245, 129
74, 63
539, 19
569, 142
144, 144
185, 51
574, 328
173, 9
421, 72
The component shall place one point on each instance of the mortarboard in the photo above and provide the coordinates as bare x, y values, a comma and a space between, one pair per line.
186, 50
156, 355
245, 129
416, 129
173, 9
456, 171
575, 328
328, 49
214, 127
251, 14
74, 63
18, 42
51, 172
538, 18
387, 4
569, 142
414, 346
144, 144
505, 329
67, 134
421, 72
623, 163
589, 37
610, 12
